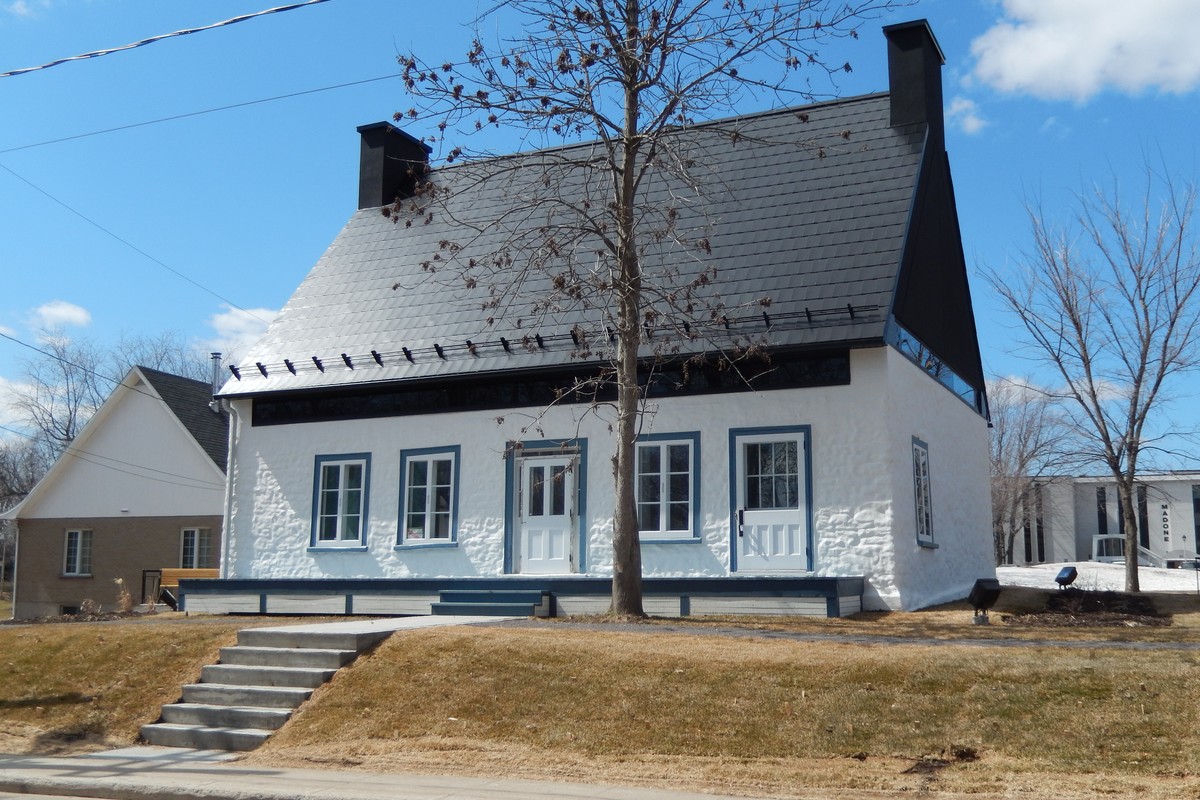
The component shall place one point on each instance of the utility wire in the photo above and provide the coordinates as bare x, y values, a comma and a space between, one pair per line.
114, 381
132, 246
153, 39
82, 455
199, 113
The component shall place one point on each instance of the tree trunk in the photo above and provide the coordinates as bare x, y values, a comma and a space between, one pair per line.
1125, 495
627, 548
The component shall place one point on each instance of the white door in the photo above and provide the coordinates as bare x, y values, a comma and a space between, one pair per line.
546, 534
772, 502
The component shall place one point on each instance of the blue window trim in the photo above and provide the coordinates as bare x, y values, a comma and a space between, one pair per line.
692, 438
734, 435
320, 461
517, 450
928, 542
452, 450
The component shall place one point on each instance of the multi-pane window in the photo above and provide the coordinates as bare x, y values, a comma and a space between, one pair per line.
922, 493
429, 495
665, 487
772, 475
78, 553
196, 549
341, 500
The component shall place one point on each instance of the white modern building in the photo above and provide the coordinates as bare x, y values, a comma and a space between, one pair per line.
1079, 519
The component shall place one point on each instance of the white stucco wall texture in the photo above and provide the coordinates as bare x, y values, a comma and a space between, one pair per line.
862, 504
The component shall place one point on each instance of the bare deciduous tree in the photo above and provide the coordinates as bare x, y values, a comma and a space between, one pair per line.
633, 75
1109, 302
1030, 441
71, 378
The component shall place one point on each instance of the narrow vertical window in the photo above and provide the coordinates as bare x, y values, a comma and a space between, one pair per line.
1143, 512
1101, 512
1039, 528
1196, 518
665, 486
77, 559
429, 495
922, 492
340, 500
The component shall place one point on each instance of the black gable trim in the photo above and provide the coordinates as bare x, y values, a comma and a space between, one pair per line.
784, 371
933, 297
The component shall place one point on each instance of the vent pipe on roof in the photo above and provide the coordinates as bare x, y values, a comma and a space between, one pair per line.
915, 75
215, 380
390, 164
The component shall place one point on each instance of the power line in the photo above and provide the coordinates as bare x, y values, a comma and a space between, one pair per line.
153, 39
82, 455
132, 246
114, 381
198, 113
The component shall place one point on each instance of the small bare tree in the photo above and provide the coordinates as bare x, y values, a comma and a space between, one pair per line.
72, 377
588, 233
1110, 304
1030, 442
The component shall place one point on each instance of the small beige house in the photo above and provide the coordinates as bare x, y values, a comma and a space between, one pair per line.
141, 488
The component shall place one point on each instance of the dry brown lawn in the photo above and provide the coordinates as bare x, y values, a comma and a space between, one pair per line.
763, 716
648, 705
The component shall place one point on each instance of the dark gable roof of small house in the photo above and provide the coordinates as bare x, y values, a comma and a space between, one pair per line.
188, 400
811, 207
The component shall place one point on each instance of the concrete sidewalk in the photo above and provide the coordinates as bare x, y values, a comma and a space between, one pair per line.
167, 773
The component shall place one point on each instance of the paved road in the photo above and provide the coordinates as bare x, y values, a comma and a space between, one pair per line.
176, 774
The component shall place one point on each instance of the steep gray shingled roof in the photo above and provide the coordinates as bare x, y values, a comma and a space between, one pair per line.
188, 400
806, 206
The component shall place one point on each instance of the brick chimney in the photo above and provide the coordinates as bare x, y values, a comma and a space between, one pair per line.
915, 75
390, 164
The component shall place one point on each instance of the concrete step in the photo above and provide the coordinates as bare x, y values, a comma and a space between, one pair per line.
215, 716
287, 657
200, 737
482, 609
357, 641
218, 694
238, 675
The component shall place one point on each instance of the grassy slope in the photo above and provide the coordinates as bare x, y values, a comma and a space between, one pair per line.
755, 715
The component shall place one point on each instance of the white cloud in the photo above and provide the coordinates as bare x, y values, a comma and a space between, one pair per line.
964, 113
24, 8
60, 313
1053, 126
236, 329
1074, 49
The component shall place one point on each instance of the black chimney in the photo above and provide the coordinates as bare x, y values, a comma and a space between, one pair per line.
390, 164
915, 74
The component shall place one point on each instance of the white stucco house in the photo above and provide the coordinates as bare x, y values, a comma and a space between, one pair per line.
396, 438
1078, 518
142, 487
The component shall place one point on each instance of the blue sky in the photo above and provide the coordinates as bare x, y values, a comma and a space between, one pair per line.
1044, 98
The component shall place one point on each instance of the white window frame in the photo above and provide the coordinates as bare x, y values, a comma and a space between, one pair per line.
78, 565
201, 550
344, 535
922, 493
412, 536
663, 443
